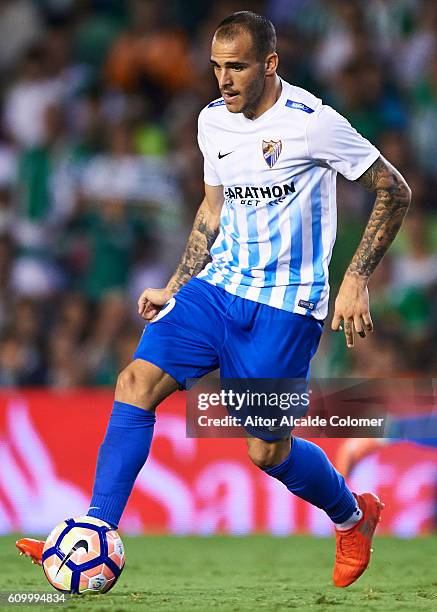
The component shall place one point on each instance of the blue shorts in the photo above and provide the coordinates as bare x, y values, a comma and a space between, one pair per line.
204, 328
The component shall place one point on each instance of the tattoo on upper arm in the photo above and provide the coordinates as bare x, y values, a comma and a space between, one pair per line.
370, 178
196, 254
392, 200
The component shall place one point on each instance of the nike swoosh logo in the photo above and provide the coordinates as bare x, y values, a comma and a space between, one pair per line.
80, 544
222, 155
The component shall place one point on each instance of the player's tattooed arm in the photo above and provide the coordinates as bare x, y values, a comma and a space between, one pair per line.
393, 197
196, 255
392, 201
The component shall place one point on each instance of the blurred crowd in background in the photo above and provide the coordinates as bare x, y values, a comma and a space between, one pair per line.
100, 173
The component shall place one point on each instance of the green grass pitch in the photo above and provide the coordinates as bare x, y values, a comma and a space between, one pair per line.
247, 573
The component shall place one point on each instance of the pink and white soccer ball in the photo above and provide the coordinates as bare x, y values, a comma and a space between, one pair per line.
82, 555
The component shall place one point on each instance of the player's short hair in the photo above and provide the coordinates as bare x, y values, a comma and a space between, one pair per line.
261, 30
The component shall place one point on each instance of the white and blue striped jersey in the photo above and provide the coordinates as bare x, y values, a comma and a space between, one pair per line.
278, 221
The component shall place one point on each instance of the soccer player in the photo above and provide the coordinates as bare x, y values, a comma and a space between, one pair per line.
251, 291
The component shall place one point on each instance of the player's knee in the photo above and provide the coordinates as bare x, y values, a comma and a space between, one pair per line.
267, 454
126, 381
262, 458
133, 387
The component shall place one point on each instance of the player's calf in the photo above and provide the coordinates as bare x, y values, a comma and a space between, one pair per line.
140, 387
308, 473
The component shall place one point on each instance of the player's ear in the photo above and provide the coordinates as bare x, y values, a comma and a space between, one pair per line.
271, 63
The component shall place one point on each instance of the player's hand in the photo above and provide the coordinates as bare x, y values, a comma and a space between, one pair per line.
151, 301
352, 309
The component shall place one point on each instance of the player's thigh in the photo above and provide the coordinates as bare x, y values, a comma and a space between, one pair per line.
293, 342
143, 384
280, 344
271, 358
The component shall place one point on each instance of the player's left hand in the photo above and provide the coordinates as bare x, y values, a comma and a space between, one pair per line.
352, 309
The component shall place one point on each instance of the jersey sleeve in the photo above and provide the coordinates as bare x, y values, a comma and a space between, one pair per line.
210, 175
332, 140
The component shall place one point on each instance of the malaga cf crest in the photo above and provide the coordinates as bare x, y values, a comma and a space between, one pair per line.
271, 151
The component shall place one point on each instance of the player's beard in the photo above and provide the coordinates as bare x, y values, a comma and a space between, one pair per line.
254, 94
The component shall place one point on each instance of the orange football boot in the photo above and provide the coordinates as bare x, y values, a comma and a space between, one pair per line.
354, 544
31, 548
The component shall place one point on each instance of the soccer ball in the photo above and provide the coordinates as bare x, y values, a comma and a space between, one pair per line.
83, 554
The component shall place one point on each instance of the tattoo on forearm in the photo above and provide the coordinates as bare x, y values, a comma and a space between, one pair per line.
196, 254
392, 200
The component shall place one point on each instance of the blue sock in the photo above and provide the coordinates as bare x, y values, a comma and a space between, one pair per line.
308, 473
121, 456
